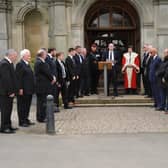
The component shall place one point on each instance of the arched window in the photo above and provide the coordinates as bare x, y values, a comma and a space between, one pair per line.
109, 18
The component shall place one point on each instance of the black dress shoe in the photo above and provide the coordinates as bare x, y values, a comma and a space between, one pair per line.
57, 110
67, 107
24, 125
42, 121
159, 109
7, 131
31, 123
14, 129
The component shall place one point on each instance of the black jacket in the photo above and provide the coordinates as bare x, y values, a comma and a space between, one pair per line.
78, 63
52, 65
71, 67
117, 59
43, 77
162, 72
8, 81
59, 72
25, 78
85, 69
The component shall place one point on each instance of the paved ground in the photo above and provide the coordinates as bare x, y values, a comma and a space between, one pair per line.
93, 151
104, 137
102, 120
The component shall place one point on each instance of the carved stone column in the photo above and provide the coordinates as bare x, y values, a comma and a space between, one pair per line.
58, 25
5, 25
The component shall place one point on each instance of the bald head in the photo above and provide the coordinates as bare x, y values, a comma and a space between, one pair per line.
166, 52
153, 51
111, 46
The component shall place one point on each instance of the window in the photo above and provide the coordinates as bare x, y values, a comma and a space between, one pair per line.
110, 18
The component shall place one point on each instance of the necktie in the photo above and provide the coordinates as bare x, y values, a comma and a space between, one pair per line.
63, 70
129, 58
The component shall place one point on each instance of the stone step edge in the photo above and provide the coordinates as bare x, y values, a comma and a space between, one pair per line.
116, 105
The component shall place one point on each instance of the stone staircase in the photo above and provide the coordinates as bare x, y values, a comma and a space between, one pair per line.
122, 100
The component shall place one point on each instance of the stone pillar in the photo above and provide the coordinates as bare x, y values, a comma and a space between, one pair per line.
69, 22
4, 26
76, 34
162, 25
58, 25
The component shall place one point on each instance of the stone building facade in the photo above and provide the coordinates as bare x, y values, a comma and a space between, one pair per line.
64, 23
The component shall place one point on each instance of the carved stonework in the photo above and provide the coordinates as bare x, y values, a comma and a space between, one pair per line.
23, 11
5, 5
75, 2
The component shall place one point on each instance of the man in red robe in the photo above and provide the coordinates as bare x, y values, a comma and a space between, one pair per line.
130, 68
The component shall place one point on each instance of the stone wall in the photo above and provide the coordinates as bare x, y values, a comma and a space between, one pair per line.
63, 22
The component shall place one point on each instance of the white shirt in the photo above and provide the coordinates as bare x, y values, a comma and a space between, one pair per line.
8, 60
70, 56
111, 52
63, 69
41, 59
154, 56
50, 55
25, 62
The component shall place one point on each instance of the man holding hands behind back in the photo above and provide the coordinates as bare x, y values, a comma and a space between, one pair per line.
43, 79
26, 88
8, 90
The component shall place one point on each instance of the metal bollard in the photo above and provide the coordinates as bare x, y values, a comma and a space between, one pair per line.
50, 126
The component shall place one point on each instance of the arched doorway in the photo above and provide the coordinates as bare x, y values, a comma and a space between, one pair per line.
112, 21
33, 31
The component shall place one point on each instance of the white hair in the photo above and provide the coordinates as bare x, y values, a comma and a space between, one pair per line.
24, 52
10, 52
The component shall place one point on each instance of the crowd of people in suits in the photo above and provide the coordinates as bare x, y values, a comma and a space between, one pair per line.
155, 77
74, 76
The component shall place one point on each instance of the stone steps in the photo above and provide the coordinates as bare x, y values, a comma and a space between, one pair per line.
124, 101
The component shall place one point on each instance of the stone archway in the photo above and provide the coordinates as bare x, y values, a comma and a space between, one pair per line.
33, 31
112, 21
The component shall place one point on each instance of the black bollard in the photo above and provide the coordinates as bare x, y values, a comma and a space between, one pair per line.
50, 126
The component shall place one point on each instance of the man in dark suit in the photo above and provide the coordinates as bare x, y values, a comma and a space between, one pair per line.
94, 57
62, 77
154, 66
78, 60
26, 88
145, 70
85, 73
114, 57
8, 90
71, 69
50, 59
43, 81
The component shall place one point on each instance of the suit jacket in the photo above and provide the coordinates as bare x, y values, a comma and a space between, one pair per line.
43, 77
162, 73
154, 66
117, 59
52, 65
71, 67
146, 64
59, 72
8, 82
85, 69
25, 78
78, 64
94, 58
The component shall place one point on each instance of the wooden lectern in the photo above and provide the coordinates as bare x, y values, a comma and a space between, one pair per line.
105, 65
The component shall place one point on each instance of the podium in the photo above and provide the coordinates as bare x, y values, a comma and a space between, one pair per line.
105, 66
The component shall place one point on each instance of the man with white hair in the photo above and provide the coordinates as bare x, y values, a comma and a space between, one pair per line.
26, 88
145, 69
8, 90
